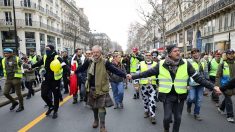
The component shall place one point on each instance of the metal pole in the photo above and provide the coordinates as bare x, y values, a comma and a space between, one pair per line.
15, 30
154, 36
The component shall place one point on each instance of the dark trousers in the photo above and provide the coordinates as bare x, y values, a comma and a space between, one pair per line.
54, 88
228, 105
214, 96
66, 83
172, 105
13, 83
29, 86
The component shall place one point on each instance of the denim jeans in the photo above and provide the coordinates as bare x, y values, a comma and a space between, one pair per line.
118, 91
195, 96
228, 105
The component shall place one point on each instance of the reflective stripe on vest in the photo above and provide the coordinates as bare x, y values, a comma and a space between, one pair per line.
57, 75
134, 64
18, 72
213, 67
33, 59
145, 67
181, 78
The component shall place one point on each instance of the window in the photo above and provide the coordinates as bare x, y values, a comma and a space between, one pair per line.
7, 2
27, 3
232, 19
226, 22
220, 22
8, 18
28, 19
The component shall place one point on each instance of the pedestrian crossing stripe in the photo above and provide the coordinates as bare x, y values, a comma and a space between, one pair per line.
41, 117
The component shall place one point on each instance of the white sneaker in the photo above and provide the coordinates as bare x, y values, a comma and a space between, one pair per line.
221, 111
230, 119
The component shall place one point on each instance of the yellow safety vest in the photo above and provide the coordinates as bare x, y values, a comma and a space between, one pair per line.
180, 83
18, 72
57, 75
134, 65
213, 67
33, 59
145, 67
226, 72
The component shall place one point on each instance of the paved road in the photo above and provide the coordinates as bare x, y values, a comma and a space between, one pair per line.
78, 118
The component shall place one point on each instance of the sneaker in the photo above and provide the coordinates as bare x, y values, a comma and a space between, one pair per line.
217, 104
115, 106
197, 117
21, 108
230, 119
14, 106
120, 105
152, 120
146, 114
221, 111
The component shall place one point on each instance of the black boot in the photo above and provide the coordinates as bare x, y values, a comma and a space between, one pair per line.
75, 101
50, 109
13, 106
21, 108
55, 115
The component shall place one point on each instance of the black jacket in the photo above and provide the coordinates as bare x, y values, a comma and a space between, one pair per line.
49, 76
191, 71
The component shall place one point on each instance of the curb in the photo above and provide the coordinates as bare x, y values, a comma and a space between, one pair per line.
6, 102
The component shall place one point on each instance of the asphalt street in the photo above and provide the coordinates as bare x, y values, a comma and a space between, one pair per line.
79, 118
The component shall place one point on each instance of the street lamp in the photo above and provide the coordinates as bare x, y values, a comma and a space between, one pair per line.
15, 30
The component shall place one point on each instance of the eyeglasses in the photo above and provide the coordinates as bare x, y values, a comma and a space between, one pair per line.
148, 55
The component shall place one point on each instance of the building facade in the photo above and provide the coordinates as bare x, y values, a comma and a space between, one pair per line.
41, 22
208, 25
103, 40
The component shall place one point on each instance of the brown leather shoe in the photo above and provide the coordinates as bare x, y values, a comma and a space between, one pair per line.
102, 129
95, 124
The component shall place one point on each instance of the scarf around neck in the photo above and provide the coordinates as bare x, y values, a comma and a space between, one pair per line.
173, 65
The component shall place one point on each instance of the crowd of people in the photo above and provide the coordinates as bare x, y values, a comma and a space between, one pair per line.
169, 78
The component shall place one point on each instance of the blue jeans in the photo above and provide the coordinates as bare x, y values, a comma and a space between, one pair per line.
195, 96
118, 91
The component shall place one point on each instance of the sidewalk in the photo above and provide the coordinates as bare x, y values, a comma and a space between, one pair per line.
4, 101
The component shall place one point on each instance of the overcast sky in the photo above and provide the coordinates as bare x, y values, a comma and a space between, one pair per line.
112, 17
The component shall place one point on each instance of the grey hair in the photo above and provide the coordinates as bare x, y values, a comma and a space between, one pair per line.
97, 47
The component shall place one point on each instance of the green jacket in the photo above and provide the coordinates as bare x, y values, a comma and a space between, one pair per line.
219, 74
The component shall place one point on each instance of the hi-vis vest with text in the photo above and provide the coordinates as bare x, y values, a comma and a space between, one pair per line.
145, 67
134, 64
181, 78
57, 75
213, 67
18, 72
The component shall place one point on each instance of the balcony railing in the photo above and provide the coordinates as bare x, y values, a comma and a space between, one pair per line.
214, 30
204, 13
4, 3
28, 5
32, 24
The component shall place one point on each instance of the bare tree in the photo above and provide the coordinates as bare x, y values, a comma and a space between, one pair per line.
73, 25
